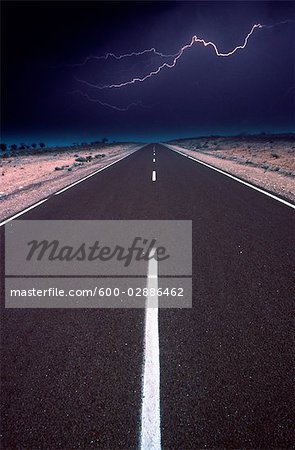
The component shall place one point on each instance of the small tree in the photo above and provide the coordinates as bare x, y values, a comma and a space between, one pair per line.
34, 145
13, 147
22, 146
42, 145
3, 147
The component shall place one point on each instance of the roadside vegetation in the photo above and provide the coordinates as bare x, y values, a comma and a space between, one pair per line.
7, 151
270, 152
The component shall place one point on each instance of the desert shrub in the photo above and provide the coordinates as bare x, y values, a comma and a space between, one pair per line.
81, 159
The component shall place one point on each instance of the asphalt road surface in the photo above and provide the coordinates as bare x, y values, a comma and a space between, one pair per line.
73, 378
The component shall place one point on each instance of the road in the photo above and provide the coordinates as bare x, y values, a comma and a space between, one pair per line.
73, 378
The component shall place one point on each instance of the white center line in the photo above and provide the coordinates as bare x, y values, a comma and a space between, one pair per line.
150, 414
154, 175
154, 159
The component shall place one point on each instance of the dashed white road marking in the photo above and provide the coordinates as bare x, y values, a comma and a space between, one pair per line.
154, 175
150, 438
154, 160
268, 194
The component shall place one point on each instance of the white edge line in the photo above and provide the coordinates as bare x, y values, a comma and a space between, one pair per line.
23, 211
285, 202
90, 175
66, 188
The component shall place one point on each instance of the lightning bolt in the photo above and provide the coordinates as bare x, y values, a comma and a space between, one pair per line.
165, 65
117, 108
194, 40
119, 57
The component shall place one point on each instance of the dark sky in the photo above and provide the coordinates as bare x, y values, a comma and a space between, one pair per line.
251, 91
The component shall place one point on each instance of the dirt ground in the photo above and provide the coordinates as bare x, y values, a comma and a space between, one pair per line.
25, 179
267, 161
